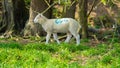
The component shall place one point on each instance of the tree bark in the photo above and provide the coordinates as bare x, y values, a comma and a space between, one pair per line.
7, 22
70, 12
83, 17
39, 6
13, 17
20, 14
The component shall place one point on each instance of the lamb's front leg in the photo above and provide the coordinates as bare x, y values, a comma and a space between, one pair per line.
56, 38
48, 37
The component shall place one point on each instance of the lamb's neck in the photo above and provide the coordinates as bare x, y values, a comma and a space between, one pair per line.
45, 23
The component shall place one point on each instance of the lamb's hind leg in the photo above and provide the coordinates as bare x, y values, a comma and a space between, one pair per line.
69, 35
78, 39
56, 38
77, 36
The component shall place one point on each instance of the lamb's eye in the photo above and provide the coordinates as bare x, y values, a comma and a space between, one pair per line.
40, 15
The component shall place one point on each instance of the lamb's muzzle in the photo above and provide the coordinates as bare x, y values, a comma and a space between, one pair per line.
63, 25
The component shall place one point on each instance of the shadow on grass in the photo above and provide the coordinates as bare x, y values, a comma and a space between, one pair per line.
51, 47
54, 47
10, 45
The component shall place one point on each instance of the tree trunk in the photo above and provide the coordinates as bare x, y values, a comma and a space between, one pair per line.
7, 22
83, 17
20, 15
39, 6
13, 16
70, 12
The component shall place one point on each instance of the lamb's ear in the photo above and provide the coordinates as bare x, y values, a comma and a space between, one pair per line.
41, 15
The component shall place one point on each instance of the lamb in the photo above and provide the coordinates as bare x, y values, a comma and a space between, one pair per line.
63, 25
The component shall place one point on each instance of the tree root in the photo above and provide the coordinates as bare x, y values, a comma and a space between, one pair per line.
7, 35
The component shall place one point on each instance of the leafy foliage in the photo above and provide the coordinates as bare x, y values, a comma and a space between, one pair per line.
104, 1
27, 3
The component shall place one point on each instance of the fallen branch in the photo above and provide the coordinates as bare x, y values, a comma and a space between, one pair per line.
52, 40
96, 39
62, 37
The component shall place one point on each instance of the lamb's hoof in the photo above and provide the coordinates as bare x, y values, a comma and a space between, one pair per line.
58, 43
46, 43
77, 44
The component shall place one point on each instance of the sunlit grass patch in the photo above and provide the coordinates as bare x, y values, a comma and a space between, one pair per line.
64, 55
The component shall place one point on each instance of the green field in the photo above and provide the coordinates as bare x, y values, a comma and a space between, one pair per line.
39, 55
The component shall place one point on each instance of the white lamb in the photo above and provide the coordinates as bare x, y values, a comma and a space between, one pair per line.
63, 25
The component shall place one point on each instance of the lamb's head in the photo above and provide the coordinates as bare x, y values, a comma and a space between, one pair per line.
40, 19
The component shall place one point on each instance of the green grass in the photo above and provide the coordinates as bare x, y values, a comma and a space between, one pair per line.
39, 55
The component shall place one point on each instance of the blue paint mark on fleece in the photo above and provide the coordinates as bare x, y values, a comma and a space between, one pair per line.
60, 21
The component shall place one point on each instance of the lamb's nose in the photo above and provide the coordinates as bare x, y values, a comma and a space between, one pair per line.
35, 21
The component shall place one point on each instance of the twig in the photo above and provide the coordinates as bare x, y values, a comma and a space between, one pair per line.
113, 37
115, 1
47, 2
72, 4
45, 9
62, 37
95, 38
36, 11
102, 23
37, 35
48, 8
93, 4
99, 3
52, 40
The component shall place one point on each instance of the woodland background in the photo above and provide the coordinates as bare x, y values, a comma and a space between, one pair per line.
22, 41
96, 16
